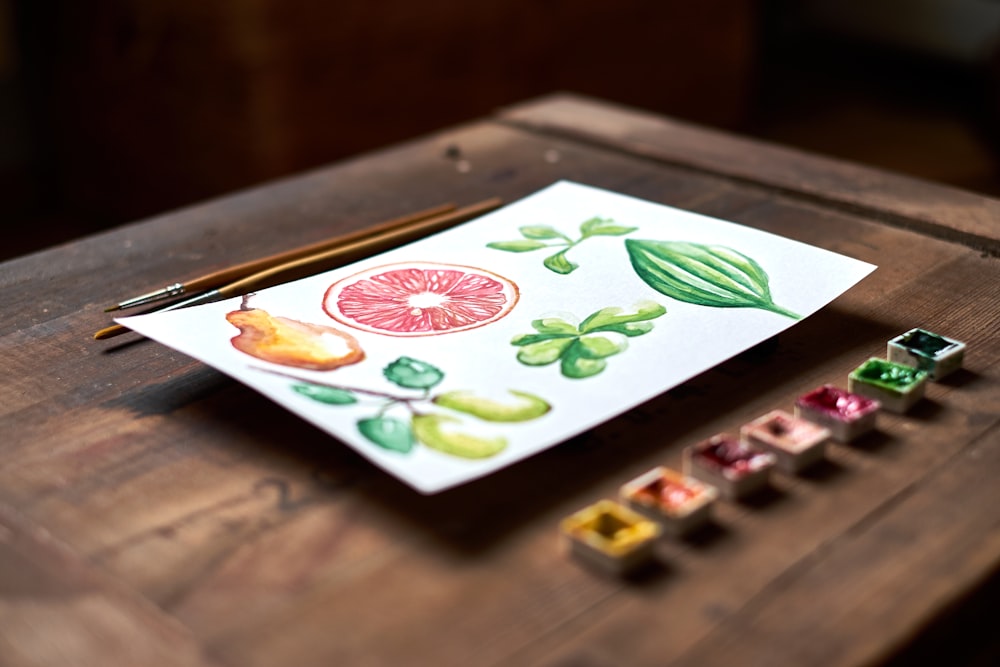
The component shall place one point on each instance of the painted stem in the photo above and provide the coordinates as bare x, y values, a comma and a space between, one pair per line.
775, 308
407, 400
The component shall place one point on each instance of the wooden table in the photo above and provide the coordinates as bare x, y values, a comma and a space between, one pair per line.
154, 512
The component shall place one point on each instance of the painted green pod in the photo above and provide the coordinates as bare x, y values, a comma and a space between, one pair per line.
524, 407
428, 429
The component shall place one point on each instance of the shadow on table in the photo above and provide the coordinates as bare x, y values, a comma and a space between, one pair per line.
472, 518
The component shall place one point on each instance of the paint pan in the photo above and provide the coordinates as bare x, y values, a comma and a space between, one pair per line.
848, 416
610, 537
735, 468
796, 443
896, 386
930, 352
680, 504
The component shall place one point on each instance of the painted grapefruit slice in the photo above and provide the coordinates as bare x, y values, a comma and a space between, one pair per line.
420, 299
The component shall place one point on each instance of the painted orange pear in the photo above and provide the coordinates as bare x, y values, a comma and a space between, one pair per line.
288, 342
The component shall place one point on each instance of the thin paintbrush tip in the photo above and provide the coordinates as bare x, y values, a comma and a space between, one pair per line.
143, 299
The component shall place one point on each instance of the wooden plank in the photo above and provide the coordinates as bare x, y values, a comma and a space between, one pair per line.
55, 609
930, 208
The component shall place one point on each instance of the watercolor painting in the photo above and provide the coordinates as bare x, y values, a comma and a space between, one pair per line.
459, 354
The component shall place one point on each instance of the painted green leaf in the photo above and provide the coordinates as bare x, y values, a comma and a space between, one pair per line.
522, 340
599, 347
412, 373
629, 324
630, 329
578, 364
433, 430
388, 433
559, 263
525, 406
541, 232
544, 352
328, 395
553, 325
705, 275
521, 245
604, 227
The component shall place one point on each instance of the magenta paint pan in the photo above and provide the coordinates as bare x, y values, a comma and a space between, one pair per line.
735, 468
848, 416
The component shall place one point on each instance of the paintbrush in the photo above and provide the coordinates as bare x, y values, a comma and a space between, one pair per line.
229, 274
357, 246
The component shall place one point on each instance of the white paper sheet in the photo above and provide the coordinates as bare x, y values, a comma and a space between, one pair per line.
434, 407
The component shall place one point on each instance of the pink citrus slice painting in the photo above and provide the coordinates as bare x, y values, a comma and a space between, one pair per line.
420, 299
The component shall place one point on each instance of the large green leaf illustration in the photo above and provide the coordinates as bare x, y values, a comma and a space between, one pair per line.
706, 275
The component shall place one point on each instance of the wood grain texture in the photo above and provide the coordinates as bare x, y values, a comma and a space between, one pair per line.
927, 207
55, 609
193, 512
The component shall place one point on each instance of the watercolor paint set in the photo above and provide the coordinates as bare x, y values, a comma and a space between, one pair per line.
620, 537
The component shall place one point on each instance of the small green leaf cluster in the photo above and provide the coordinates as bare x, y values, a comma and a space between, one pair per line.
434, 429
545, 236
582, 350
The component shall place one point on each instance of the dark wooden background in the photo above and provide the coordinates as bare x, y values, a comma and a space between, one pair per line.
121, 109
144, 106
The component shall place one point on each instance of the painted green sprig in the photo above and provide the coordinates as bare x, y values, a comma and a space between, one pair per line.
582, 350
545, 236
706, 275
402, 420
